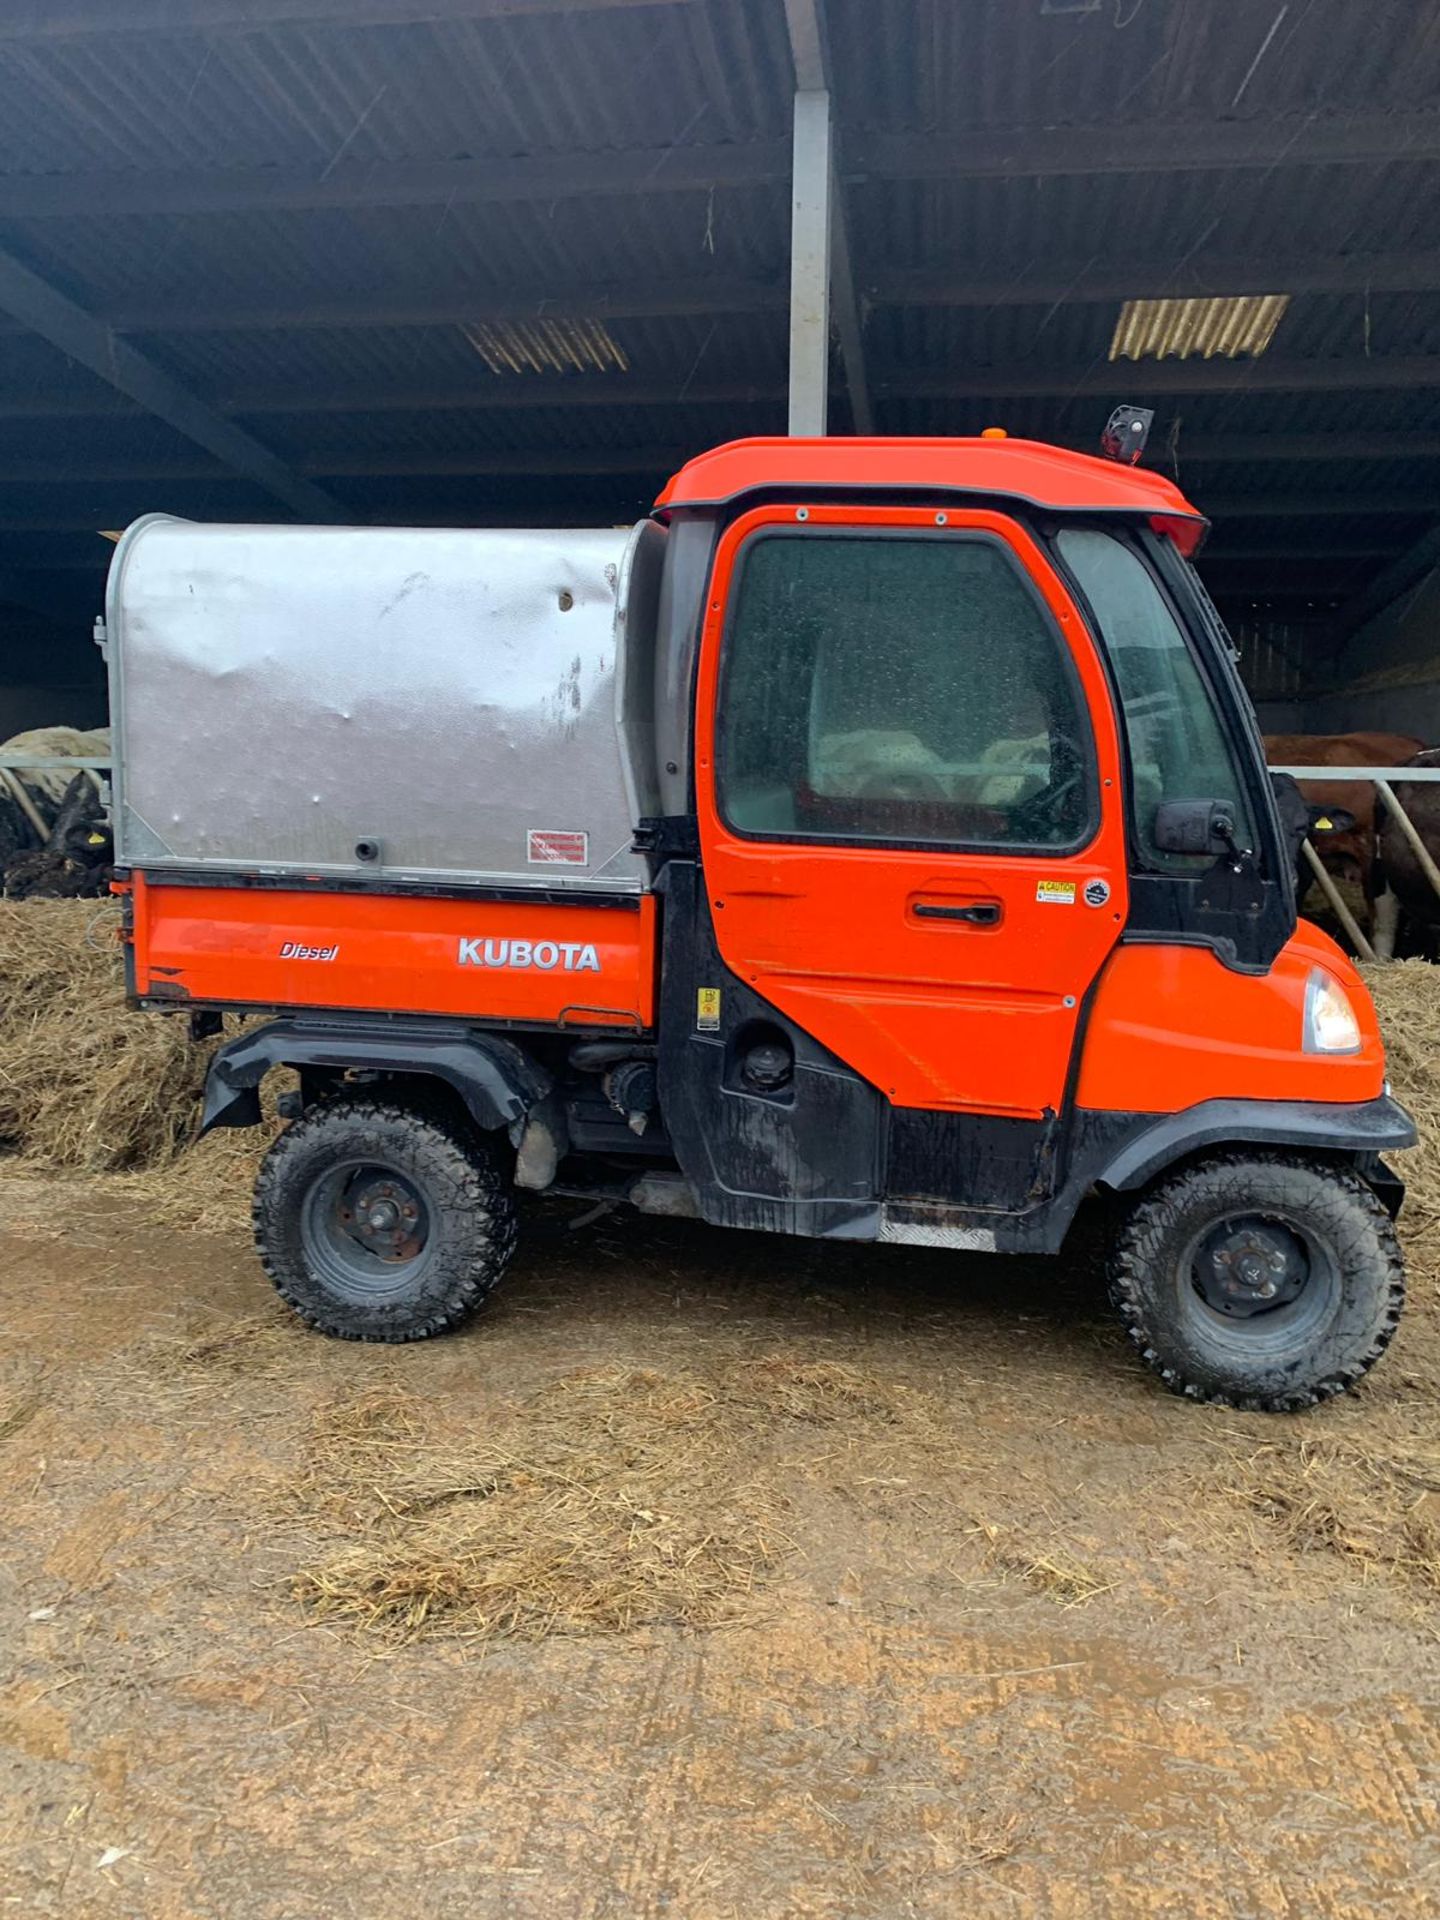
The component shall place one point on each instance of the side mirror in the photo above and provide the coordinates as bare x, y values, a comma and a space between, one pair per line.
1195, 826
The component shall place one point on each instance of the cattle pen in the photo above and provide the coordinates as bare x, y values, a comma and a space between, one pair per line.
1381, 779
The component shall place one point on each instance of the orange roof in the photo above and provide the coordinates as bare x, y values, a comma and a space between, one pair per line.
1028, 470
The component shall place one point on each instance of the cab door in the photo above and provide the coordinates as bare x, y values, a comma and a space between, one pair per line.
909, 793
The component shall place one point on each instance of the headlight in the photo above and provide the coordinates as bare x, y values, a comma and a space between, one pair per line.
1330, 1023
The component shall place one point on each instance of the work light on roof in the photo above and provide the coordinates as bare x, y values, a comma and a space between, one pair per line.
1125, 435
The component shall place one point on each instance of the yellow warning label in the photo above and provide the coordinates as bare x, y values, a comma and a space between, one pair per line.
707, 1009
1055, 893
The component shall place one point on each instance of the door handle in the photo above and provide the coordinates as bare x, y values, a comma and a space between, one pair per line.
984, 913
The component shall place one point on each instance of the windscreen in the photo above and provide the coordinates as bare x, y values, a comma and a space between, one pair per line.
1178, 748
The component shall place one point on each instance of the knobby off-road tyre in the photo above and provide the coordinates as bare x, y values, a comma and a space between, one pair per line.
382, 1221
1259, 1281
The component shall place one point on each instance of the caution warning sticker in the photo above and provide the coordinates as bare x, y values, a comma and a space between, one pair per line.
1055, 893
707, 1009
557, 847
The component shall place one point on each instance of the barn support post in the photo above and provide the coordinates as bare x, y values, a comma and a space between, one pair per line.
806, 27
810, 229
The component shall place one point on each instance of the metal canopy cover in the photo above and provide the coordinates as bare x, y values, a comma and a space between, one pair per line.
282, 695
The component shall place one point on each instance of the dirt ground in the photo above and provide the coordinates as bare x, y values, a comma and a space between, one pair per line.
1022, 1635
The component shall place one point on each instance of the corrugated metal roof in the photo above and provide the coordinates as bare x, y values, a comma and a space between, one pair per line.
514, 252
562, 83
1172, 219
1189, 418
676, 351
996, 63
346, 288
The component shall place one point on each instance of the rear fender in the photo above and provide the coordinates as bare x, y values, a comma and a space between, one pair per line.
498, 1083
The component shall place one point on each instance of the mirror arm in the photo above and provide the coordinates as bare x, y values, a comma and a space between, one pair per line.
1223, 826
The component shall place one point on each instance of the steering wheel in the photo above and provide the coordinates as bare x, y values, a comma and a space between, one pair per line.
1033, 818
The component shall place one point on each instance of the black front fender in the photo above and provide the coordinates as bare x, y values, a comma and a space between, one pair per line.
1361, 1129
497, 1081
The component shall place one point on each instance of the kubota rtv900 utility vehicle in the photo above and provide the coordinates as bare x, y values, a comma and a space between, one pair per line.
874, 844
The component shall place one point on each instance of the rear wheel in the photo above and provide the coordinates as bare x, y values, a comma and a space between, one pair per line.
379, 1221
1259, 1282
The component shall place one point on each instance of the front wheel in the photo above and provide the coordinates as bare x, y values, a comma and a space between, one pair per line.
380, 1221
1259, 1281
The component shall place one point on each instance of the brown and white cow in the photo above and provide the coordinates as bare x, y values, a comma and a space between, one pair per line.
1404, 873
1350, 854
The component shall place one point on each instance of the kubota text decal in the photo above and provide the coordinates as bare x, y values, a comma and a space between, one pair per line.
570, 956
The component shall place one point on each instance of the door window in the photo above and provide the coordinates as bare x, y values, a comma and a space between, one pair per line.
1178, 749
909, 689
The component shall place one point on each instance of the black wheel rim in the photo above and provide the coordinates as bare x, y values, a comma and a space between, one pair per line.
1266, 1280
367, 1230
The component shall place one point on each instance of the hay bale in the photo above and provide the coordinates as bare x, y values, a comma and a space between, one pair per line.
1407, 998
84, 1082
89, 1086
207, 1187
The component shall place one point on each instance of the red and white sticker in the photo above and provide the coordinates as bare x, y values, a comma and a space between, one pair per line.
555, 847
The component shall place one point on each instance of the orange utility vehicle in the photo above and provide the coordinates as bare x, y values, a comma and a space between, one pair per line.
874, 844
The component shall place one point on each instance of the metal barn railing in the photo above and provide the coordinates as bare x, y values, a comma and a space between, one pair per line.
13, 763
1379, 778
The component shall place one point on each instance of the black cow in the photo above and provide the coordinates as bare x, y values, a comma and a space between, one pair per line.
77, 857
1299, 822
